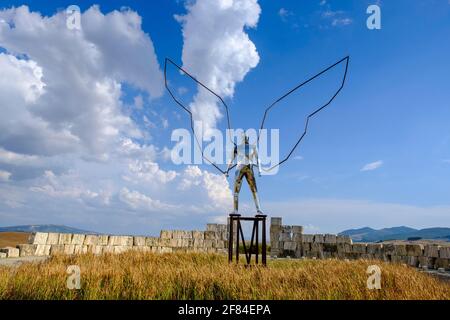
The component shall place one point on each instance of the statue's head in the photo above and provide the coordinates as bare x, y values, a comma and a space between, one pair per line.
245, 138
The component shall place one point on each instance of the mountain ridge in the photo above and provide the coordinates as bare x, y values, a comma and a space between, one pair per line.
367, 234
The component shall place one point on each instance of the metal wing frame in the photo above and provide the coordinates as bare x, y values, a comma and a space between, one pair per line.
169, 61
317, 110
266, 112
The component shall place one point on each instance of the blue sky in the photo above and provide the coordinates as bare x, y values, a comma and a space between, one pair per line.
393, 113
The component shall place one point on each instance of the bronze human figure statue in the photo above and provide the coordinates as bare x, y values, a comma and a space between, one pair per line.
246, 156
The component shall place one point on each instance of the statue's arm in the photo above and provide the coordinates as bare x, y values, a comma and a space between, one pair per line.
257, 160
233, 156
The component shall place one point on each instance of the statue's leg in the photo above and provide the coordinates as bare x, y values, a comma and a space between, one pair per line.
250, 176
237, 188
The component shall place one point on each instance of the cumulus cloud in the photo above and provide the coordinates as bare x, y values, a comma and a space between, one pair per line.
146, 170
217, 51
372, 166
214, 186
137, 200
65, 93
4, 175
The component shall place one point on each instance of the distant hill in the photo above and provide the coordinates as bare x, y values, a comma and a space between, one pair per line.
45, 228
397, 233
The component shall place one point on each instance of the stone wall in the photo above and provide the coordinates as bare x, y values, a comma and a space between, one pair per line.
290, 241
213, 239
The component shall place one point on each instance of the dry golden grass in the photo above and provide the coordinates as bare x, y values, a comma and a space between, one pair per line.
135, 275
12, 239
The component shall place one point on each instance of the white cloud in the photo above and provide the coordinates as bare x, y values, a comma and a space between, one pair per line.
336, 17
372, 166
284, 13
342, 22
217, 50
148, 171
137, 200
65, 96
4, 175
214, 186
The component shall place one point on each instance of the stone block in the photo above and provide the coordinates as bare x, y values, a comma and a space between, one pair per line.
198, 234
276, 244
120, 241
344, 247
275, 221
39, 238
297, 229
91, 240
431, 251
426, 262
165, 250
208, 243
11, 252
199, 243
95, 249
173, 242
165, 234
389, 248
222, 228
220, 244
444, 253
27, 250
212, 227
330, 247
344, 239
285, 236
442, 263
316, 247
108, 249
318, 238
307, 238
78, 239
152, 241
400, 249
69, 249
297, 237
139, 241
290, 245
80, 249
103, 240
43, 250
210, 235
56, 249
359, 248
413, 261
414, 250
330, 238
121, 249
53, 238
65, 238
374, 248
184, 243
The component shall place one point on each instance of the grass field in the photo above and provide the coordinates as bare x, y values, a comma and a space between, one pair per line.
11, 239
135, 275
